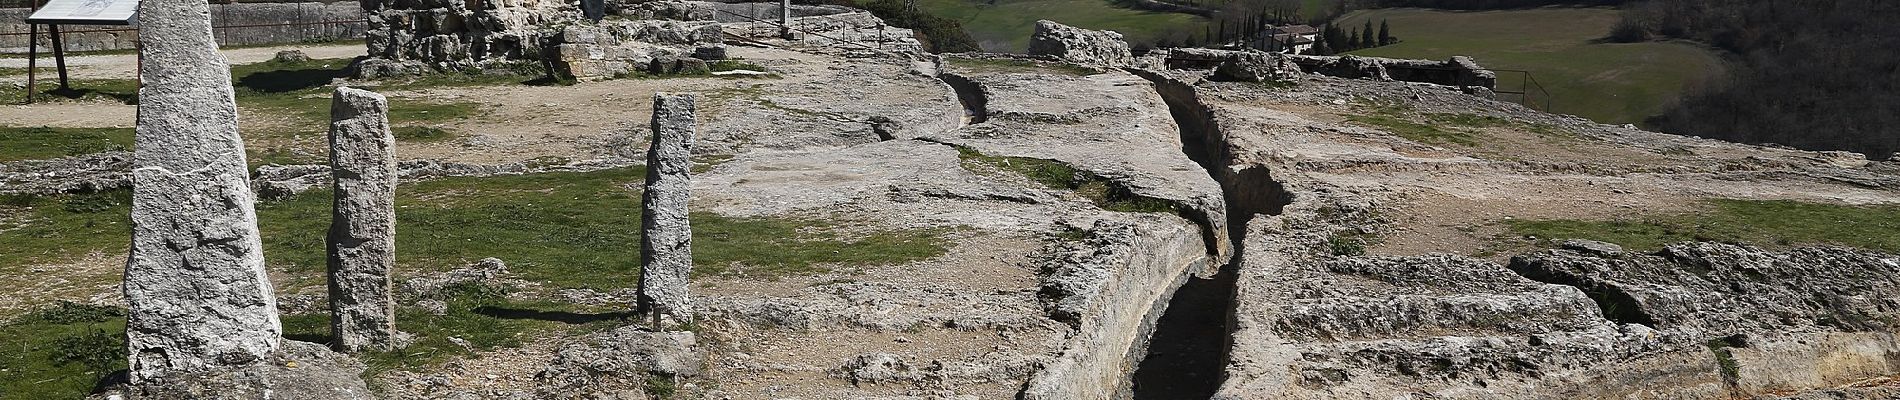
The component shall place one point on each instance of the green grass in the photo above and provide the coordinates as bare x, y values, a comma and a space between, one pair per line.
567, 229
1606, 82
1005, 25
422, 134
1057, 175
60, 352
1773, 224
41, 230
1467, 120
480, 315
17, 143
1416, 132
1013, 66
575, 229
300, 92
112, 90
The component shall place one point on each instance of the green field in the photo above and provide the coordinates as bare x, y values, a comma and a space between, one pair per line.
1606, 82
1005, 25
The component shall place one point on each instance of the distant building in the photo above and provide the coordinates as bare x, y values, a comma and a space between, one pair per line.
1294, 39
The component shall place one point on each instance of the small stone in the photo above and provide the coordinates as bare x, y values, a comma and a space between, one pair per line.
1594, 247
290, 56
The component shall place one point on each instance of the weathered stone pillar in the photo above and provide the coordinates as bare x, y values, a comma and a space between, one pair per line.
362, 241
666, 247
195, 284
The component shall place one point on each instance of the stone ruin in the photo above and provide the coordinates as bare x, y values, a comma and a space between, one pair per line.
362, 239
1459, 71
666, 251
412, 37
1257, 66
590, 38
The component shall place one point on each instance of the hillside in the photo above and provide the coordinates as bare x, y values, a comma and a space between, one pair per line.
1564, 50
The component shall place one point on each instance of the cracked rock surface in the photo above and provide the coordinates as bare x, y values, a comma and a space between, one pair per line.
198, 294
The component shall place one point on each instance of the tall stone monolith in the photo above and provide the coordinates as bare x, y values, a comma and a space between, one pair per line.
362, 241
666, 247
195, 286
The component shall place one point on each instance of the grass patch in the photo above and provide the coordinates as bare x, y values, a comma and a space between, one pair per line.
1767, 223
574, 229
110, 90
1414, 131
421, 134
1014, 66
1467, 120
469, 318
1005, 25
1605, 82
1724, 358
52, 229
1056, 175
39, 143
61, 352
1347, 243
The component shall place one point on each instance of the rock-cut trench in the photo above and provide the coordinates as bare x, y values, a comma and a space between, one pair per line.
1187, 351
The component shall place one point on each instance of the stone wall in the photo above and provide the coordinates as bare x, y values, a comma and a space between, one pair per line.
236, 19
1458, 71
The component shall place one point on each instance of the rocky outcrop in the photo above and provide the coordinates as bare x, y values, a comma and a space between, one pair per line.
622, 360
666, 252
620, 47
1356, 67
301, 371
1080, 46
1254, 66
1459, 71
406, 37
1696, 320
1110, 287
197, 294
72, 174
362, 240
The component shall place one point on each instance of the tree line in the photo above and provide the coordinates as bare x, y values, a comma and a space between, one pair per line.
1812, 74
1335, 40
1479, 4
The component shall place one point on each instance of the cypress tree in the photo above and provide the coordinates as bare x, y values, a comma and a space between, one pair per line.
1385, 33
1367, 40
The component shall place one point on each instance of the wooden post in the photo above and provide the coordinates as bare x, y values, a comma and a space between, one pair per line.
59, 54
32, 58
785, 19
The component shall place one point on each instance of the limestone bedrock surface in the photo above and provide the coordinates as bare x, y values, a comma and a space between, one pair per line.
666, 249
362, 240
195, 285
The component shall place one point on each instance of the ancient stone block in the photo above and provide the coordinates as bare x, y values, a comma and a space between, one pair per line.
666, 250
1081, 46
195, 286
362, 241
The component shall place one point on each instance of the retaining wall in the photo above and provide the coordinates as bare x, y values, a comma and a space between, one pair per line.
294, 22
